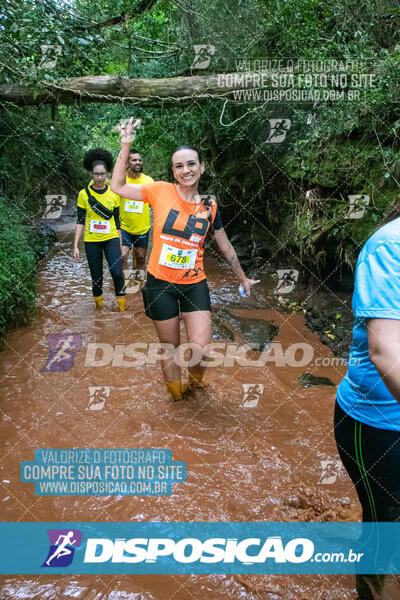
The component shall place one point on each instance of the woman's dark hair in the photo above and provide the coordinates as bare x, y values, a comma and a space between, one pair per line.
187, 147
98, 156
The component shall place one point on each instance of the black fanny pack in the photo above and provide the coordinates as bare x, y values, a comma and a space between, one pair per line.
98, 207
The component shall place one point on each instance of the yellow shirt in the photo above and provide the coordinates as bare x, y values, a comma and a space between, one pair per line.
135, 216
98, 229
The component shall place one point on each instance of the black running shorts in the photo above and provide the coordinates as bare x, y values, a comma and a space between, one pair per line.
163, 300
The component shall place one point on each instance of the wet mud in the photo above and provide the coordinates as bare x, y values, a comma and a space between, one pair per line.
252, 453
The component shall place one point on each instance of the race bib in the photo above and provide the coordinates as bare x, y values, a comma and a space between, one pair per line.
175, 258
133, 206
100, 226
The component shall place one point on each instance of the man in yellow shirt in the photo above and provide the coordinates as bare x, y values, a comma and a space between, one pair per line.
135, 216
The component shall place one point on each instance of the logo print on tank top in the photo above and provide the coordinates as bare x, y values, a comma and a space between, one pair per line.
193, 225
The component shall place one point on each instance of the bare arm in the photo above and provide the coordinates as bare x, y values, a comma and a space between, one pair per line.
78, 233
384, 351
229, 253
118, 183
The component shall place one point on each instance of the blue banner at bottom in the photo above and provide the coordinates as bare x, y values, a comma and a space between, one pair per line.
209, 548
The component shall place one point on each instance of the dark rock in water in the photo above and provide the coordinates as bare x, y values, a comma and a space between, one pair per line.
221, 332
257, 332
308, 380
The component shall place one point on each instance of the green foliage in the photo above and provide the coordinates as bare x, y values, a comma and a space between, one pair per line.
20, 248
39, 156
349, 147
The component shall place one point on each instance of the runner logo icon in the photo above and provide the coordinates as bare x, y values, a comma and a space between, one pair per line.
203, 54
62, 542
62, 351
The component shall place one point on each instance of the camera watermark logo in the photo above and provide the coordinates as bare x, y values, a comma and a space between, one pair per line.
357, 207
50, 54
330, 469
206, 202
62, 351
203, 54
133, 280
310, 118
63, 543
203, 210
97, 397
54, 206
278, 130
251, 394
287, 279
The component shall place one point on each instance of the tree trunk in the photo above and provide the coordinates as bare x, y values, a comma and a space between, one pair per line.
115, 89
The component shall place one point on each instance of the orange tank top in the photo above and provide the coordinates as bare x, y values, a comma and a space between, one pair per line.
180, 228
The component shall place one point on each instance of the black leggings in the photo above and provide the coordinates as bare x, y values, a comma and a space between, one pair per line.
371, 457
112, 250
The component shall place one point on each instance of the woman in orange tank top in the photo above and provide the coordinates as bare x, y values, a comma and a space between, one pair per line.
176, 282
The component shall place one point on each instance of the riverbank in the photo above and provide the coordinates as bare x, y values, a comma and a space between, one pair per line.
22, 246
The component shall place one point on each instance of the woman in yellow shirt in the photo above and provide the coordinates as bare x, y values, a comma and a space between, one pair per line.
98, 214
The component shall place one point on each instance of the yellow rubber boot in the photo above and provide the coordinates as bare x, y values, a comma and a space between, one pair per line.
195, 379
175, 389
98, 301
121, 302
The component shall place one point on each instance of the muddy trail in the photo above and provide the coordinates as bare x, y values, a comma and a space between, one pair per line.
253, 439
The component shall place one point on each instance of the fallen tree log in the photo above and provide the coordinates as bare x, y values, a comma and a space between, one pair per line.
112, 88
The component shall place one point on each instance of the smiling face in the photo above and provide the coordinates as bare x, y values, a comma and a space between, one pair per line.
135, 163
187, 168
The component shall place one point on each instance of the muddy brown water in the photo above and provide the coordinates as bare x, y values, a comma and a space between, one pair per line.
244, 463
